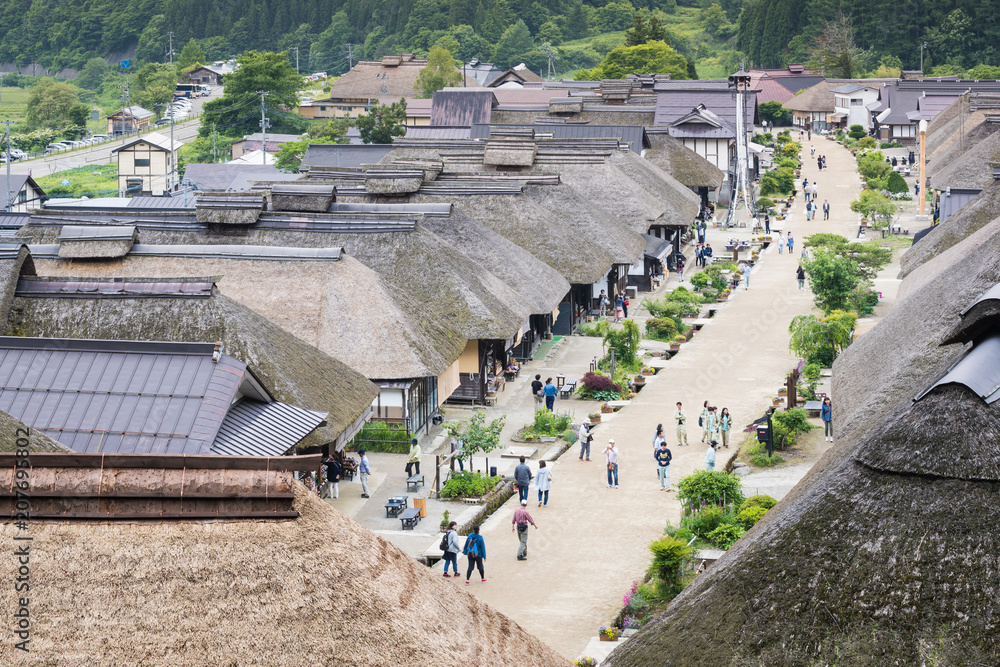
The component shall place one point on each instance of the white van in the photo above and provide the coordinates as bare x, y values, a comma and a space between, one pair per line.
205, 90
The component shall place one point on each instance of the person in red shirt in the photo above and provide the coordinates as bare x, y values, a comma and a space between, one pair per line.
520, 524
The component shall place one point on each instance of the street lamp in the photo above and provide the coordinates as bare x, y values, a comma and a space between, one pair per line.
923, 45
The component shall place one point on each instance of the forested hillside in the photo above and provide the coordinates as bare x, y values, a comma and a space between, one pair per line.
960, 34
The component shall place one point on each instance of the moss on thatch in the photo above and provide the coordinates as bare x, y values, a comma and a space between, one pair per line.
319, 589
293, 371
12, 429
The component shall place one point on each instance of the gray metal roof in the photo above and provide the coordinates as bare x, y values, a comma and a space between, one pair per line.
657, 248
979, 370
435, 210
119, 396
11, 250
462, 106
437, 132
13, 220
672, 105
992, 294
97, 233
112, 289
252, 428
223, 177
343, 155
633, 135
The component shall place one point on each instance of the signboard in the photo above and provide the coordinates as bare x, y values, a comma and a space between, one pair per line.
126, 63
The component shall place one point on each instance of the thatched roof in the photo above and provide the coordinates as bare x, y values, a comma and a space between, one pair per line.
217, 593
294, 372
975, 215
682, 163
388, 80
15, 261
884, 554
11, 430
967, 163
817, 98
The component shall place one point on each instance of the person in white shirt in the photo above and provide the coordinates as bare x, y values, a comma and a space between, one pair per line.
585, 439
710, 457
543, 482
611, 458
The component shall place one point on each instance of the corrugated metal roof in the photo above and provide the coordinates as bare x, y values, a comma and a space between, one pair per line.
119, 396
435, 210
343, 155
113, 288
12, 250
13, 221
656, 248
252, 428
671, 106
97, 233
462, 106
437, 132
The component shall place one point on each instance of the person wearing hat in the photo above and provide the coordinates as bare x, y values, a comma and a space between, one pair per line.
364, 470
611, 458
414, 460
520, 524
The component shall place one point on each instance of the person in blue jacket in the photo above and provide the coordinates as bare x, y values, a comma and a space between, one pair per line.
475, 550
550, 391
826, 414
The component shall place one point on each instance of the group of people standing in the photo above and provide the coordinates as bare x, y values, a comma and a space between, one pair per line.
702, 253
621, 305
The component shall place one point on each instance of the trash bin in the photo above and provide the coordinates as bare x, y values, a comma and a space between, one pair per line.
493, 471
421, 504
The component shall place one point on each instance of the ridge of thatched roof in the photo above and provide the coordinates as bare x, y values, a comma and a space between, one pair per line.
186, 594
11, 430
967, 163
294, 371
389, 79
974, 216
15, 261
817, 98
682, 163
886, 548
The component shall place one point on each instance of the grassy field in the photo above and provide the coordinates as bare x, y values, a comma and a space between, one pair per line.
96, 180
14, 104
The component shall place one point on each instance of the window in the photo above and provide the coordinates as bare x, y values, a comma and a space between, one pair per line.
322, 108
142, 162
855, 101
22, 197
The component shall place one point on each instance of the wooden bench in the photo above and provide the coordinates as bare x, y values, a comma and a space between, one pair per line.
410, 518
411, 484
568, 388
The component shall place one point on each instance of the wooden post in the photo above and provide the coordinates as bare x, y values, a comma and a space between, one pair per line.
437, 475
923, 166
790, 384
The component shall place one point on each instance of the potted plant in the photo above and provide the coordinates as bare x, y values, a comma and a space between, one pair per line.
675, 344
724, 296
648, 371
594, 417
585, 661
608, 634
606, 409
445, 521
782, 391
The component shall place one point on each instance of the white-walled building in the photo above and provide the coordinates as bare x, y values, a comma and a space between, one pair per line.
146, 165
850, 105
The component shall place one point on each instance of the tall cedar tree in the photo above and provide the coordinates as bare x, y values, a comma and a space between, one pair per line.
438, 73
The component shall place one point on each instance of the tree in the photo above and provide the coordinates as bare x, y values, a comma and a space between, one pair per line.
713, 19
775, 113
550, 33
515, 42
577, 22
191, 54
238, 110
615, 15
810, 334
331, 45
49, 103
155, 84
438, 73
868, 258
91, 76
834, 50
382, 123
470, 44
153, 41
289, 156
651, 58
637, 34
875, 207
833, 279
478, 438
497, 20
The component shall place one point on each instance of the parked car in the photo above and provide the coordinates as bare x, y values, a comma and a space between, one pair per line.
54, 148
99, 137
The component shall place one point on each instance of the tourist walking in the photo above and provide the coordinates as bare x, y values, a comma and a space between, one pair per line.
680, 419
475, 550
781, 243
619, 308
522, 477
805, 188
819, 163
826, 209
791, 243
703, 421
710, 457
550, 391
800, 274
725, 424
363, 471
826, 414
625, 306
333, 473
611, 459
815, 191
536, 391
706, 254
451, 549
680, 270
663, 457
658, 437
767, 223
697, 255
586, 437
543, 482
520, 524
712, 425
413, 461
746, 275
602, 303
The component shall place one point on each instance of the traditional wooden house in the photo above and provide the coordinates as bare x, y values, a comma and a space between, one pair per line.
129, 120
170, 551
147, 165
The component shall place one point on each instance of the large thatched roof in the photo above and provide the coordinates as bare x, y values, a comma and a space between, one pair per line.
682, 163
884, 554
966, 162
319, 589
11, 430
293, 371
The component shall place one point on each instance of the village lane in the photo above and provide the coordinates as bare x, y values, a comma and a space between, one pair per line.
592, 541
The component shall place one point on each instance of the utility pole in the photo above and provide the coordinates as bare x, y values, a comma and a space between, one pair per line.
173, 156
264, 124
350, 57
296, 59
923, 45
170, 50
214, 158
10, 199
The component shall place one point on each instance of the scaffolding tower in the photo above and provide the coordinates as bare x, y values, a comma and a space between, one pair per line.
740, 187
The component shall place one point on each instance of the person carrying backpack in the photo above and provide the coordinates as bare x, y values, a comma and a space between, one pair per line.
475, 550
449, 545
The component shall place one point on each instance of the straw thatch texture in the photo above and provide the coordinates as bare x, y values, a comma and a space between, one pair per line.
966, 163
319, 589
816, 98
380, 181
315, 197
672, 202
13, 264
885, 553
946, 128
972, 217
293, 371
239, 209
682, 163
11, 429
510, 153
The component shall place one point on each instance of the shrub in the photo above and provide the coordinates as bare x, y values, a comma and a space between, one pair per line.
765, 205
468, 485
701, 522
669, 555
896, 184
757, 455
749, 516
726, 535
890, 144
599, 328
788, 426
625, 341
681, 533
714, 487
661, 328
760, 500
812, 372
856, 132
867, 142
597, 386
549, 423
700, 280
